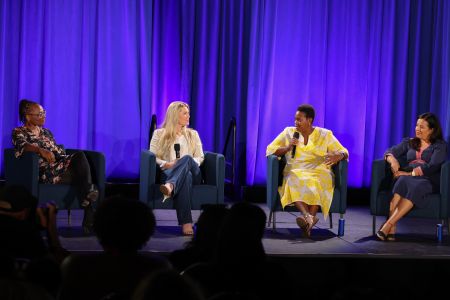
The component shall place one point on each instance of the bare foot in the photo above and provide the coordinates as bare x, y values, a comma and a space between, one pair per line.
187, 229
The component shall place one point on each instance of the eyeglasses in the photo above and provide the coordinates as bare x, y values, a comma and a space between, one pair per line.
40, 114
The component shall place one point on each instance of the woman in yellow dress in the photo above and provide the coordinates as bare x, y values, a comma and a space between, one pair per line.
308, 181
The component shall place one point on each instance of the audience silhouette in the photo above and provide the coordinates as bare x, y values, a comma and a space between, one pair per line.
202, 246
240, 265
122, 226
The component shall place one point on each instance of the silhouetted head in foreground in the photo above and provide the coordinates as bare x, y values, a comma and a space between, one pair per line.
240, 238
123, 225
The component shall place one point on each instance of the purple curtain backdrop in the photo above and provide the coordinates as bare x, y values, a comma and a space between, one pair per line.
101, 68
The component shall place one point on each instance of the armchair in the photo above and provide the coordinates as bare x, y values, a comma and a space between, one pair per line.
338, 204
211, 191
381, 195
25, 171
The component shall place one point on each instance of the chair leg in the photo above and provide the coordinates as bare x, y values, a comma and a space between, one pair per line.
341, 227
270, 218
374, 224
331, 220
69, 215
274, 221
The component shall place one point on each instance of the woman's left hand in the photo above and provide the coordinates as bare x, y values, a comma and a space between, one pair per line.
333, 158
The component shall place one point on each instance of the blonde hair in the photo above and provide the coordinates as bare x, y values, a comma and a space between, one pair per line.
170, 123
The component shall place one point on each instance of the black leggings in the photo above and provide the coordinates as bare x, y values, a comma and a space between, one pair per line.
78, 173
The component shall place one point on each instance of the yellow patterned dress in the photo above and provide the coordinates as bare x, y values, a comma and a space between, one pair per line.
306, 178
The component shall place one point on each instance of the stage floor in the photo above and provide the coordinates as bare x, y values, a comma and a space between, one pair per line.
415, 237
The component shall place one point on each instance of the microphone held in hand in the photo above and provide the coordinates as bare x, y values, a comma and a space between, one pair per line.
177, 150
296, 136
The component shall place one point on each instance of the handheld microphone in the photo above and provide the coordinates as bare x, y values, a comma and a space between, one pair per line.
177, 150
296, 136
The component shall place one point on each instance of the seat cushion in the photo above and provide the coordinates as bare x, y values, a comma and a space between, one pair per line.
65, 196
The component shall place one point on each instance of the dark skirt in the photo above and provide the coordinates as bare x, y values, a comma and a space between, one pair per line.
414, 189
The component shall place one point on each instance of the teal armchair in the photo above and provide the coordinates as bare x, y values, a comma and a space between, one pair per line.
338, 204
381, 195
211, 191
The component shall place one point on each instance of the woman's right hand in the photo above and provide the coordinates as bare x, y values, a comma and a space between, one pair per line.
47, 155
395, 166
170, 164
293, 142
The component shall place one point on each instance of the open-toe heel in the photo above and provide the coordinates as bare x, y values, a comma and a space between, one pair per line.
166, 191
391, 235
91, 196
381, 235
384, 236
312, 220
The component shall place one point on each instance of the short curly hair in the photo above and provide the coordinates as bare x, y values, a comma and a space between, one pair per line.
123, 224
24, 106
308, 110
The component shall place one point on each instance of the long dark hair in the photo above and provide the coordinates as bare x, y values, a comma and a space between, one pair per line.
24, 106
433, 123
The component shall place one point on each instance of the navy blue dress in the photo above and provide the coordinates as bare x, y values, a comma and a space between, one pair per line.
415, 188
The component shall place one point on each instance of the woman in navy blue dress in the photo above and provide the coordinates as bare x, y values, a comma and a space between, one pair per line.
425, 154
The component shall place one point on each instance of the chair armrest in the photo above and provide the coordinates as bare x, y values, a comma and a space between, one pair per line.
22, 171
147, 175
340, 181
214, 172
96, 161
378, 176
273, 167
445, 190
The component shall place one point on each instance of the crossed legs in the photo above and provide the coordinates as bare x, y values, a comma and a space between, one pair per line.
178, 184
398, 208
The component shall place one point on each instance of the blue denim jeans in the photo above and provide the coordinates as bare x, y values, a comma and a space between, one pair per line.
183, 176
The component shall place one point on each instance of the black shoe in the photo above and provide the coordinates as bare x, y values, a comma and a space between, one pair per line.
91, 196
88, 219
381, 235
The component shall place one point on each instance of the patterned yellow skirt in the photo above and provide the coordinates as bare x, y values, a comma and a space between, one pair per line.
310, 186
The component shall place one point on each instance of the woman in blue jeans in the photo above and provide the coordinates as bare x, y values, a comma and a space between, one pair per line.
179, 154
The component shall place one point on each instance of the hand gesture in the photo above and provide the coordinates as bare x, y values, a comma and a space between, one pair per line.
47, 155
333, 158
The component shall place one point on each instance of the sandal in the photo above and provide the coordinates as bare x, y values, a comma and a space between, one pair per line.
91, 196
391, 235
301, 222
312, 220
